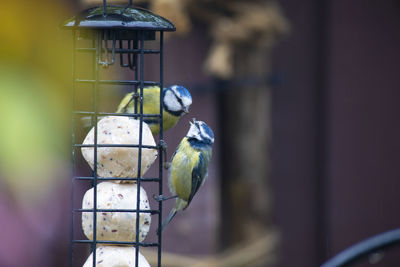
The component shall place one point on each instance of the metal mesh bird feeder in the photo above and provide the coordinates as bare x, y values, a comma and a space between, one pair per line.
116, 36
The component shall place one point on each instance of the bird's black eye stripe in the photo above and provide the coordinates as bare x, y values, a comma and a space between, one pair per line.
200, 132
180, 102
178, 98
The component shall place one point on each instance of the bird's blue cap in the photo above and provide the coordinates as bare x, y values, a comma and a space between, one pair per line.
206, 131
180, 91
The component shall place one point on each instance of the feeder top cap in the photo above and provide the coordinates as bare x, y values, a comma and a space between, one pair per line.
120, 17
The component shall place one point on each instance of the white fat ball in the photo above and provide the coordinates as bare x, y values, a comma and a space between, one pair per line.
119, 161
116, 256
116, 226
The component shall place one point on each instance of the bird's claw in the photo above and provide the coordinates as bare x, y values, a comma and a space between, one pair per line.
167, 165
163, 145
162, 198
158, 198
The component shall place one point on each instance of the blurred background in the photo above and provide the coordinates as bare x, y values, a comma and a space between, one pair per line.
303, 100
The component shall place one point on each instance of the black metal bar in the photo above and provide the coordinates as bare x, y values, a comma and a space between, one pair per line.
118, 114
121, 56
104, 14
115, 145
140, 145
160, 167
117, 210
117, 82
88, 178
119, 50
130, 56
71, 250
114, 46
95, 108
135, 57
135, 64
363, 248
143, 244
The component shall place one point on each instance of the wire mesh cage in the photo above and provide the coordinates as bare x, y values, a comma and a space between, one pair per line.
113, 39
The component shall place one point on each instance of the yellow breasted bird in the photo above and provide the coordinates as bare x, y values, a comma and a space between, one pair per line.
188, 169
176, 102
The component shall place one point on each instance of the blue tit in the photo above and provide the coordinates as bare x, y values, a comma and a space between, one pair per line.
189, 164
176, 102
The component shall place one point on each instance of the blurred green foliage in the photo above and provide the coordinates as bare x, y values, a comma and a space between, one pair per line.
35, 76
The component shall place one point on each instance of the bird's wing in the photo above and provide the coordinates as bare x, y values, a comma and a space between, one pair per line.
151, 104
198, 176
122, 107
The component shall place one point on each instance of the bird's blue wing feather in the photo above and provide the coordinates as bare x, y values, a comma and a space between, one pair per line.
198, 175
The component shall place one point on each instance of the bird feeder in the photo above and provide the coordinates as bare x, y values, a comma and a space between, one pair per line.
117, 36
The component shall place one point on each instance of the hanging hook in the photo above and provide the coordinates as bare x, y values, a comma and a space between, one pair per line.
131, 55
107, 63
121, 56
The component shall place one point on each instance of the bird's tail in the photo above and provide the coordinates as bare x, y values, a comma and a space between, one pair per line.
167, 220
180, 204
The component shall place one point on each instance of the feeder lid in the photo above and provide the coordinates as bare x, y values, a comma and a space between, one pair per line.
122, 17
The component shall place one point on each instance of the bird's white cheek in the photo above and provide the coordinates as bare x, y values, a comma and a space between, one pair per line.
171, 103
194, 132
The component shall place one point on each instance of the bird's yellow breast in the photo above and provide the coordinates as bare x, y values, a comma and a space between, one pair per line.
183, 163
151, 105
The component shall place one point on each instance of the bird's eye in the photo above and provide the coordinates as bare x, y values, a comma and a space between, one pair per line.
180, 101
198, 127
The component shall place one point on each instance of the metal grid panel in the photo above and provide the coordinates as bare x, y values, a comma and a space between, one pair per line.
134, 49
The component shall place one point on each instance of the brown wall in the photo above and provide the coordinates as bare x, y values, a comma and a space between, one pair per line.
335, 127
